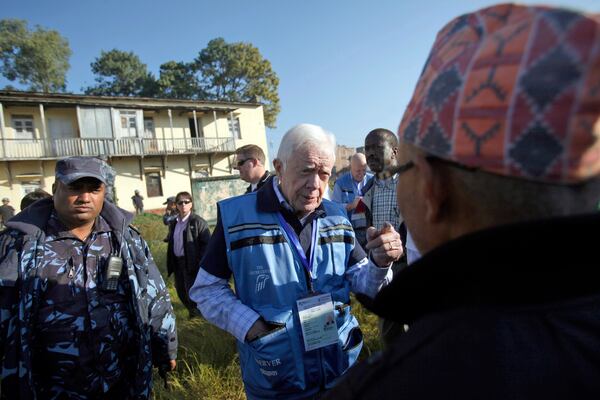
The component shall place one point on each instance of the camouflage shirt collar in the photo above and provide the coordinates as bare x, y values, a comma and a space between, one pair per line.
56, 229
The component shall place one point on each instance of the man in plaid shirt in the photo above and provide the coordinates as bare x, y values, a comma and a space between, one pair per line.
381, 147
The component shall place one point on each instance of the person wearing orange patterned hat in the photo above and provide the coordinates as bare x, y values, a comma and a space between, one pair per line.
499, 164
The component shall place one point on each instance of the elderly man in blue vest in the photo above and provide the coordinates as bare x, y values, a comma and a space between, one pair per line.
294, 260
348, 191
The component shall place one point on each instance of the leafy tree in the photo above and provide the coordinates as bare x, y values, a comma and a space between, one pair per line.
237, 72
177, 81
121, 73
38, 58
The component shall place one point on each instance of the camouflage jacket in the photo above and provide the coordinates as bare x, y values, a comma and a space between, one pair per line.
21, 252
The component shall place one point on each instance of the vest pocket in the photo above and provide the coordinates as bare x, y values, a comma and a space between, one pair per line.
269, 364
341, 356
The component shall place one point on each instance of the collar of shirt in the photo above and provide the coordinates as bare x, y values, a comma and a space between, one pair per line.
387, 182
57, 230
359, 185
184, 219
280, 198
265, 176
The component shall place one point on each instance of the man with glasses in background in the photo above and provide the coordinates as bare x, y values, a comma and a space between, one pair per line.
250, 162
188, 238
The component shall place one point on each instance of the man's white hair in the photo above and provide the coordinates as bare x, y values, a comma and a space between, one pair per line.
302, 136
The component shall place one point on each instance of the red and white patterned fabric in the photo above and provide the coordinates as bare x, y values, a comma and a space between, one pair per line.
512, 90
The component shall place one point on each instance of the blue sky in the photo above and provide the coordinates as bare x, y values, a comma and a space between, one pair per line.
349, 66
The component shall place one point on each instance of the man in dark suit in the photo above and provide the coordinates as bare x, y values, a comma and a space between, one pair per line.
188, 238
250, 161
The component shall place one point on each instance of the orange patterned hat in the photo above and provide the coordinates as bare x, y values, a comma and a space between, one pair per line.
512, 90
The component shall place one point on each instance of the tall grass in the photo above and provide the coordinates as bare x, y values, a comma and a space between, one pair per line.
207, 364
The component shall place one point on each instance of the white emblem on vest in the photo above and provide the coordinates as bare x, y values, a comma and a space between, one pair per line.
261, 281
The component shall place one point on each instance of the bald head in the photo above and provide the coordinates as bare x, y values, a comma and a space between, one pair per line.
358, 166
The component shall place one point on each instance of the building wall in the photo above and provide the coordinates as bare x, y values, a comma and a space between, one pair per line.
129, 179
342, 156
177, 176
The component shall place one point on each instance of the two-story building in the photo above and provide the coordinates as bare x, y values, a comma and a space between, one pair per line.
157, 146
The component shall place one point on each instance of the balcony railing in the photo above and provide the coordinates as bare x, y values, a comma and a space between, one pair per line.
24, 149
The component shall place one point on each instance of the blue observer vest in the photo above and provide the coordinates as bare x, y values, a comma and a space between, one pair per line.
270, 279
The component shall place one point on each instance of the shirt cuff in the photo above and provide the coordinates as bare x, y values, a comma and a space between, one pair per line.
376, 272
377, 266
240, 331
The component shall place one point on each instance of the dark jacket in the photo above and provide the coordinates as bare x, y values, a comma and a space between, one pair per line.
196, 236
6, 212
506, 313
138, 201
264, 179
21, 251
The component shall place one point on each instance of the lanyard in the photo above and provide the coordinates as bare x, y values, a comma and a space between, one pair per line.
291, 234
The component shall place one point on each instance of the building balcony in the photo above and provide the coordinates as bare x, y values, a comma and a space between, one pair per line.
28, 149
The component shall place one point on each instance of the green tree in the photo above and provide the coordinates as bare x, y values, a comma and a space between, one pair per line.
178, 81
237, 72
37, 58
121, 73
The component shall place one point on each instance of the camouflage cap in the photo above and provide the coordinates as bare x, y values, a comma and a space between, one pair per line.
513, 90
70, 169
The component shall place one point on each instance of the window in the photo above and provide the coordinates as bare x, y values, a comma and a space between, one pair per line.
30, 186
234, 128
127, 123
193, 132
23, 126
95, 122
60, 128
153, 186
148, 127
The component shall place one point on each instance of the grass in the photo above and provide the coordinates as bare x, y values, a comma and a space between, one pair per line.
207, 364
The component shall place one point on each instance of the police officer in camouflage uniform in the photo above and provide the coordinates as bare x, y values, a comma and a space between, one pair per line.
74, 324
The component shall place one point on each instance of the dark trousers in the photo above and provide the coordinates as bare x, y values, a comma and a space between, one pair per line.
184, 279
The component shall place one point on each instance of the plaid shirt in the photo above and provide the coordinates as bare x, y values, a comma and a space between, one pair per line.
384, 206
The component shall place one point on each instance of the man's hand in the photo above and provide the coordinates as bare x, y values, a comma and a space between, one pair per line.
259, 328
164, 369
385, 245
352, 206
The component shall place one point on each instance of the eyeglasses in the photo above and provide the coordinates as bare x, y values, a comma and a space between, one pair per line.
430, 159
242, 162
182, 202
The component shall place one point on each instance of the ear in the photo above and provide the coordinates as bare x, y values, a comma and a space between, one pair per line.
433, 190
54, 188
278, 165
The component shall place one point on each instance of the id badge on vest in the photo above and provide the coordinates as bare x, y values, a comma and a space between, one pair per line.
317, 320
